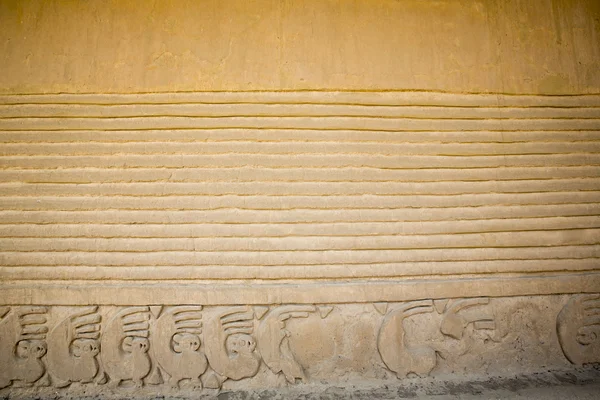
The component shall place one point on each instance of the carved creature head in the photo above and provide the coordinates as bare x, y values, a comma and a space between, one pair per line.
587, 335
132, 344
240, 343
85, 348
31, 349
185, 343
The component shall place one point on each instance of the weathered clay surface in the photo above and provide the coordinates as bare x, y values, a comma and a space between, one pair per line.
513, 46
290, 344
225, 241
333, 190
231, 198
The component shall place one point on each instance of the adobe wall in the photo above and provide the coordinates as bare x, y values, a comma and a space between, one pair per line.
209, 196
513, 46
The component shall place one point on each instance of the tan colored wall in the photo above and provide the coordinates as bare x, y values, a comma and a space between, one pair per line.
236, 195
514, 46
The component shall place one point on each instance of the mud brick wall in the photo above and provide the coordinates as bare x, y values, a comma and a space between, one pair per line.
250, 194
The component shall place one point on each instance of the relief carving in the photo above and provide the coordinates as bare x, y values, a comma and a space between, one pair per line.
125, 346
22, 345
397, 354
408, 356
208, 346
578, 329
231, 344
273, 341
177, 344
457, 316
73, 347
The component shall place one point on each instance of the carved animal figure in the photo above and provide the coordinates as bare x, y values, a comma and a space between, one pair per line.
393, 345
22, 345
231, 345
125, 346
273, 341
73, 347
420, 359
458, 314
578, 328
177, 344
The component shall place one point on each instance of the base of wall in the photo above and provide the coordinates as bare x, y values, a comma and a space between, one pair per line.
187, 349
572, 383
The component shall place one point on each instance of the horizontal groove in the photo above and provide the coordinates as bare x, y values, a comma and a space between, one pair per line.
300, 161
286, 110
308, 243
297, 230
449, 115
233, 216
297, 185
327, 291
296, 188
381, 270
392, 97
297, 148
249, 174
277, 258
306, 135
387, 124
266, 129
235, 202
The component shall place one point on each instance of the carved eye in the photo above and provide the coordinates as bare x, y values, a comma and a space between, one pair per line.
92, 348
586, 336
38, 350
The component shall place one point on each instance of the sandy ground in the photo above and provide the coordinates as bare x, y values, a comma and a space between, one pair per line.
576, 384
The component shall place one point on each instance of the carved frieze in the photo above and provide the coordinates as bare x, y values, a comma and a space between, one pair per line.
74, 346
125, 346
211, 347
578, 328
23, 333
177, 344
231, 345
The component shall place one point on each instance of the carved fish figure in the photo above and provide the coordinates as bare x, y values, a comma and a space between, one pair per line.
22, 345
74, 345
125, 346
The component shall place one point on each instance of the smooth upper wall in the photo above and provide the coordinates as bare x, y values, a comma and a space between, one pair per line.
508, 46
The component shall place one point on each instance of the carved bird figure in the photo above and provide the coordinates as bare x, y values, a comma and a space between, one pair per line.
273, 341
457, 315
22, 345
231, 345
177, 344
73, 347
393, 346
125, 346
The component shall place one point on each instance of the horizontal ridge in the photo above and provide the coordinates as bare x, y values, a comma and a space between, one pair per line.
297, 185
